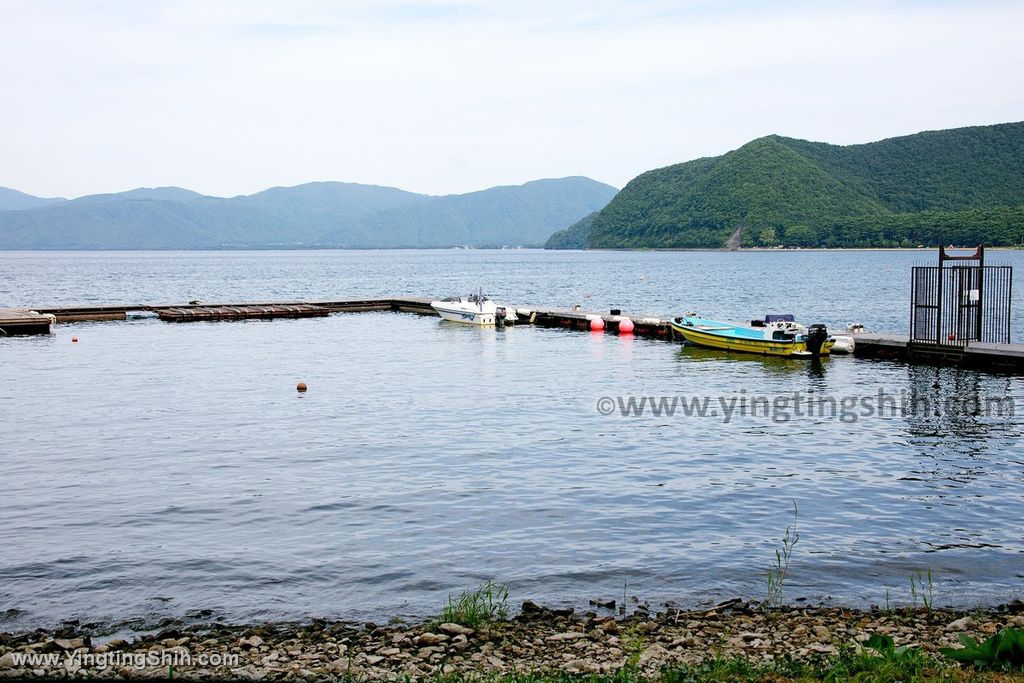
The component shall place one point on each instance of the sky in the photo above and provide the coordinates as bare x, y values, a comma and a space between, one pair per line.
232, 97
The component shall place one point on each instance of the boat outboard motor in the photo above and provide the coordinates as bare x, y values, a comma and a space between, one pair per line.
499, 316
815, 338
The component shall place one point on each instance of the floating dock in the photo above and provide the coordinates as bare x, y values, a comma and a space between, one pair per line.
200, 313
644, 326
977, 355
981, 356
20, 321
574, 319
84, 313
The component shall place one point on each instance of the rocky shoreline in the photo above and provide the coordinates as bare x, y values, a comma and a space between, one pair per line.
538, 640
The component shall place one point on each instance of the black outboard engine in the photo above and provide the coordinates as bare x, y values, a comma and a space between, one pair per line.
500, 316
816, 337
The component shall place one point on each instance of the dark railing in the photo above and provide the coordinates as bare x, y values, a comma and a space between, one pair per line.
961, 300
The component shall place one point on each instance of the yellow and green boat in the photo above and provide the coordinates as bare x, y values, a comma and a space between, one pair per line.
777, 335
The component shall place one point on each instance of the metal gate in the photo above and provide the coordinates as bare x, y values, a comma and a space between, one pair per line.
954, 304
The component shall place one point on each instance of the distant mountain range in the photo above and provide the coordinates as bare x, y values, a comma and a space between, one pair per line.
326, 214
963, 186
12, 200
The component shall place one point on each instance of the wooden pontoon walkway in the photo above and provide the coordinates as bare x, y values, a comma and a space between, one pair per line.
998, 357
977, 355
18, 321
644, 326
198, 313
216, 311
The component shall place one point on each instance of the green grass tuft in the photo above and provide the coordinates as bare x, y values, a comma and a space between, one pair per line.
489, 602
778, 573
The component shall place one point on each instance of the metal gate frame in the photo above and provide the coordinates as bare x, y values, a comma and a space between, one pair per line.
962, 302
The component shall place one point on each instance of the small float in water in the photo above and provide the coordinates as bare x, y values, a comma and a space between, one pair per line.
776, 335
846, 343
475, 309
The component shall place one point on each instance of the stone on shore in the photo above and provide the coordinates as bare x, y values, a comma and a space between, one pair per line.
456, 630
540, 640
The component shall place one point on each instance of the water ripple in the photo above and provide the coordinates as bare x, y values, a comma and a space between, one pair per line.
171, 471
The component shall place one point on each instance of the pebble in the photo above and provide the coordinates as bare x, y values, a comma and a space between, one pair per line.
961, 624
685, 641
456, 630
654, 653
540, 640
342, 665
69, 644
430, 639
647, 626
254, 641
581, 666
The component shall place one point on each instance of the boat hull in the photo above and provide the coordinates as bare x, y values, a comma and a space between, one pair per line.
466, 317
762, 347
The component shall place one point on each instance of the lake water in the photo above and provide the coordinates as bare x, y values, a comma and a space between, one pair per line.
154, 470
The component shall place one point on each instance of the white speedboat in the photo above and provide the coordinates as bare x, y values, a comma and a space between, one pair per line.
475, 309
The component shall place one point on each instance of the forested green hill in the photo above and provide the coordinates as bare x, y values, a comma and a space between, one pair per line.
961, 186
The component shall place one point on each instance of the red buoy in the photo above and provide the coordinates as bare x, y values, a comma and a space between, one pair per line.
626, 326
301, 387
596, 324
74, 340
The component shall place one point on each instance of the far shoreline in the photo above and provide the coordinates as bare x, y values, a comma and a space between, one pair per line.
278, 248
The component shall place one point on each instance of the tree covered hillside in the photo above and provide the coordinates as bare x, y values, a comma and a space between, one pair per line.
960, 186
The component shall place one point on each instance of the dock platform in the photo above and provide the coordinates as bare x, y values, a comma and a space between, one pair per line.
201, 313
22, 321
66, 314
297, 309
643, 325
197, 311
977, 355
981, 356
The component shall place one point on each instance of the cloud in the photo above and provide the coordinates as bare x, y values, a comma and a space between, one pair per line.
445, 97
